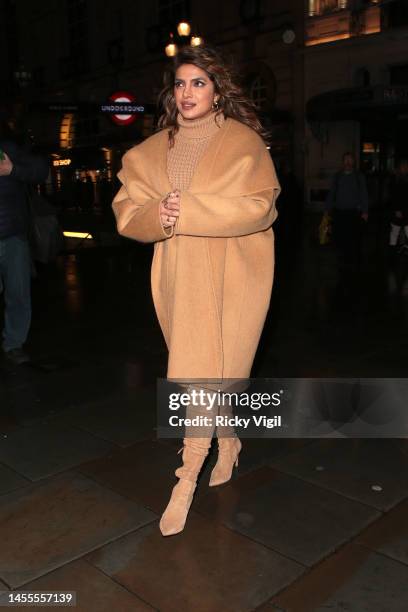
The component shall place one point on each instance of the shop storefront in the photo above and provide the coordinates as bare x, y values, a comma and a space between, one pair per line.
380, 116
85, 143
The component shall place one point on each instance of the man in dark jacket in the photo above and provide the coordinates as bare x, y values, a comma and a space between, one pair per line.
17, 169
347, 201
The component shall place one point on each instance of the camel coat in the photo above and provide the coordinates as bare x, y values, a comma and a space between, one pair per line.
212, 273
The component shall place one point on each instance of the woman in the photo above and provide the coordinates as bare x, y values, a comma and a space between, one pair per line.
203, 189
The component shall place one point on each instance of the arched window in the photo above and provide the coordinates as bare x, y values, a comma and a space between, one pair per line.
259, 91
261, 85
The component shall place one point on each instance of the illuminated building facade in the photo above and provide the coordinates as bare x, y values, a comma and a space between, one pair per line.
80, 52
356, 91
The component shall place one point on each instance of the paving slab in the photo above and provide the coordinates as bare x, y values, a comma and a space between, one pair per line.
352, 467
143, 472
10, 480
45, 449
207, 568
297, 519
257, 452
389, 534
45, 525
34, 393
354, 579
95, 592
7, 422
122, 419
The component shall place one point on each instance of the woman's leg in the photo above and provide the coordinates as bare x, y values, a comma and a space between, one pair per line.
229, 446
195, 449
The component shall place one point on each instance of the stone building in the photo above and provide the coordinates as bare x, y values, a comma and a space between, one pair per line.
356, 91
75, 54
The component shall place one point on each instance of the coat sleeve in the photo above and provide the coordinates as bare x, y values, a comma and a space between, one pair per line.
245, 206
137, 214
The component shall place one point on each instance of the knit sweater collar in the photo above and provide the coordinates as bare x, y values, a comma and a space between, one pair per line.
205, 127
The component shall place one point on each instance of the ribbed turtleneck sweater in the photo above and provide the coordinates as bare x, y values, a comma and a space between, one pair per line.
190, 142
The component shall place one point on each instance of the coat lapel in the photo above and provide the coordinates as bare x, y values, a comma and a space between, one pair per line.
163, 181
205, 164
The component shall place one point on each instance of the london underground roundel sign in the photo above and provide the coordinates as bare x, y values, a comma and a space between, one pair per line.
122, 108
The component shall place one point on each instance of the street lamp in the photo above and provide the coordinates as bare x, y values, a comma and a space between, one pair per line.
171, 47
183, 28
23, 77
183, 31
196, 41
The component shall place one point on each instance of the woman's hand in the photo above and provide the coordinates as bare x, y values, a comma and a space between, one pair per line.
170, 208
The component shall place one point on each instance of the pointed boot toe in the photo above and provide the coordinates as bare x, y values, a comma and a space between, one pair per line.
175, 515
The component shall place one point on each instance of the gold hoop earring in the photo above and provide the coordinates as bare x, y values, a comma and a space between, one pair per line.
215, 105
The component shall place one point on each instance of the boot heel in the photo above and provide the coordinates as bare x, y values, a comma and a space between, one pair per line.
227, 459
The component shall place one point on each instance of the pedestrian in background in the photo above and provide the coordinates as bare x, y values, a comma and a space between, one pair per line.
399, 205
347, 202
203, 189
18, 168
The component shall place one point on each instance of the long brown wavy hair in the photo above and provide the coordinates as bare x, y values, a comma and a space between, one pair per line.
232, 102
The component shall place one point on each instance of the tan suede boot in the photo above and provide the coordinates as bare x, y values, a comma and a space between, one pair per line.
174, 517
228, 451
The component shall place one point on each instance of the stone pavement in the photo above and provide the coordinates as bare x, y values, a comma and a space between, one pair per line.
84, 479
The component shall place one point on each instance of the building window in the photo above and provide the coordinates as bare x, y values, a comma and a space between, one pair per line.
260, 83
339, 19
313, 8
321, 7
67, 131
173, 11
259, 91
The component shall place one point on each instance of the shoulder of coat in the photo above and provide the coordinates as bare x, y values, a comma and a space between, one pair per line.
146, 146
241, 130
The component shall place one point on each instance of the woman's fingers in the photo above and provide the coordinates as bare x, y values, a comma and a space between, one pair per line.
170, 208
171, 211
168, 221
173, 203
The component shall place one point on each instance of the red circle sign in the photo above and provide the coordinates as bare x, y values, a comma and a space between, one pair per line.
122, 98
